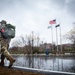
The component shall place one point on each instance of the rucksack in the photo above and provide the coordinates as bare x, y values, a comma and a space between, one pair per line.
8, 31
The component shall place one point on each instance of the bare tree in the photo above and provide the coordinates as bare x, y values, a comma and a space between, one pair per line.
27, 43
19, 41
38, 40
71, 37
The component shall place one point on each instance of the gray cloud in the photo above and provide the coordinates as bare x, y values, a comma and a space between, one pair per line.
68, 5
9, 4
59, 3
71, 7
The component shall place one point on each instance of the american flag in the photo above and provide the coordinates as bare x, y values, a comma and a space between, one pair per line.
52, 21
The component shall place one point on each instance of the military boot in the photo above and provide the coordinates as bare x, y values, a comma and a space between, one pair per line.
2, 60
2, 63
11, 63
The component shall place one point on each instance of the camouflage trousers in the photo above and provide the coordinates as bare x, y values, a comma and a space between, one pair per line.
4, 43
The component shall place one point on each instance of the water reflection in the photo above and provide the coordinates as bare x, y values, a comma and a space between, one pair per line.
65, 64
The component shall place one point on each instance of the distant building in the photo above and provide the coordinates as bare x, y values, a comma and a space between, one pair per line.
67, 46
45, 46
48, 46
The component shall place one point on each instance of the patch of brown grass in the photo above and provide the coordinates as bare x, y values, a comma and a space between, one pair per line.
9, 71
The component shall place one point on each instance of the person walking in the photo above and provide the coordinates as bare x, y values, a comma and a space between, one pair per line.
4, 44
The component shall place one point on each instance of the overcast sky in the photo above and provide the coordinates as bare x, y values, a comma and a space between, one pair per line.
34, 15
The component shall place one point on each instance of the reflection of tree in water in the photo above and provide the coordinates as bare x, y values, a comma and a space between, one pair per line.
46, 57
60, 63
72, 67
68, 66
57, 63
20, 61
30, 61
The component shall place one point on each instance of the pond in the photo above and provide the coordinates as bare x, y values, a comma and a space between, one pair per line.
55, 63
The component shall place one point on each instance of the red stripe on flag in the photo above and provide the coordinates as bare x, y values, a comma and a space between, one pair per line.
52, 21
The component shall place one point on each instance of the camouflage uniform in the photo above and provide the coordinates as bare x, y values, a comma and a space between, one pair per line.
4, 51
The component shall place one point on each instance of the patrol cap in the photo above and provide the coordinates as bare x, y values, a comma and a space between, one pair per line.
3, 22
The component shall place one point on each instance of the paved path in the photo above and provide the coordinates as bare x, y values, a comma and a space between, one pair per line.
46, 72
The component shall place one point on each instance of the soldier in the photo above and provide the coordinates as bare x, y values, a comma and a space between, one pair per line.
4, 48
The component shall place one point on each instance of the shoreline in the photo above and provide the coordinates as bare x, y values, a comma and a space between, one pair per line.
52, 55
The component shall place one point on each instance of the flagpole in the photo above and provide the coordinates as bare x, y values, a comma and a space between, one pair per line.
52, 36
52, 22
60, 40
57, 39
